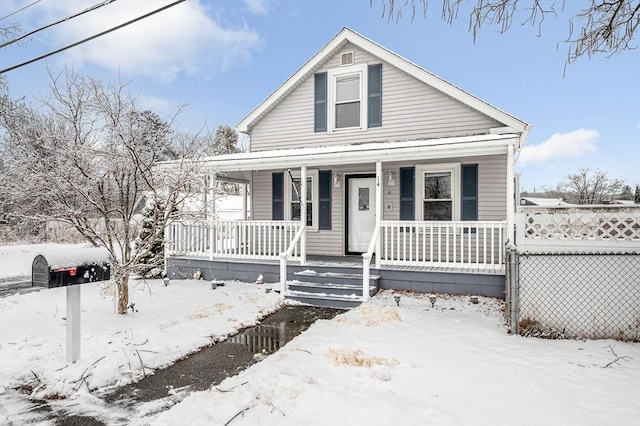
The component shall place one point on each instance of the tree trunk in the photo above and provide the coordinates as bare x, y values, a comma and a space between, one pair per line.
123, 294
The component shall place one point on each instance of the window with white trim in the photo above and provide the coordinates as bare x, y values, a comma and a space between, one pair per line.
294, 192
438, 192
347, 103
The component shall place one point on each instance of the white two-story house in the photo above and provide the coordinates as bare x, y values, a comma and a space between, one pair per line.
364, 169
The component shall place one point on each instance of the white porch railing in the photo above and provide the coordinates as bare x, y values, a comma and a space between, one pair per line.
471, 244
366, 263
235, 239
286, 255
584, 228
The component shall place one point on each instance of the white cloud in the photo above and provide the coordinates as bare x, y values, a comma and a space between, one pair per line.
181, 39
257, 7
560, 145
156, 104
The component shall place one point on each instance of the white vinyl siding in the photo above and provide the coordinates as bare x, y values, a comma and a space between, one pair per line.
492, 201
410, 110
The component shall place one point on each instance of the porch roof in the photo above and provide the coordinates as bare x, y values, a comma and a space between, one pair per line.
464, 146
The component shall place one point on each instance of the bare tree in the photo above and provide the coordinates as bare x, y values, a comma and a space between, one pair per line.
591, 187
86, 158
601, 27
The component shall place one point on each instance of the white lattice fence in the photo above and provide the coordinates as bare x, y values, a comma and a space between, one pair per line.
608, 228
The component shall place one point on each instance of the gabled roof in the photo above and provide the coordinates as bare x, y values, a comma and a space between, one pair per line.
349, 36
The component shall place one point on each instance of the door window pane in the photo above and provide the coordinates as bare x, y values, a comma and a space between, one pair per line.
363, 199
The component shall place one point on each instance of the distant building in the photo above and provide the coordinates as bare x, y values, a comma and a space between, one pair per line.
543, 202
623, 202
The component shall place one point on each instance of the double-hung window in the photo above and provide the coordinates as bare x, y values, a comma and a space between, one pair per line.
438, 185
294, 194
347, 100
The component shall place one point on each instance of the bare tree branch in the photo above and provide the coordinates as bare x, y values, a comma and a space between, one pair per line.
602, 27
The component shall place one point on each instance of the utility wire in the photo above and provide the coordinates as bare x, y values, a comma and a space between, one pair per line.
90, 9
20, 10
91, 38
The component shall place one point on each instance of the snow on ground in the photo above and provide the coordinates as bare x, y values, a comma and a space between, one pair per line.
16, 260
377, 364
450, 365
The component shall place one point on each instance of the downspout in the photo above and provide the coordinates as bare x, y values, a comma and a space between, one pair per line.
510, 195
379, 209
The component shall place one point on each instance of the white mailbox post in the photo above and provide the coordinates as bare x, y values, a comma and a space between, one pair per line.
71, 274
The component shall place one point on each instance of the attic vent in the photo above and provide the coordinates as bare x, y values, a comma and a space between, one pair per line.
347, 58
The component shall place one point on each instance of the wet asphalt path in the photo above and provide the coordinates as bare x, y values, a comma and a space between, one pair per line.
200, 370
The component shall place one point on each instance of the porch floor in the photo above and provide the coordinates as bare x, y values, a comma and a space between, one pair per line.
355, 261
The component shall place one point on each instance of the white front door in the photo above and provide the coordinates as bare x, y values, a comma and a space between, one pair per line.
361, 213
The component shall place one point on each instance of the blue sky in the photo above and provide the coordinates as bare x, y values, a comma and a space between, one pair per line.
222, 58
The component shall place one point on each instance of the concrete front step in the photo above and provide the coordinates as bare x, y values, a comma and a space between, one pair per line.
313, 276
324, 299
330, 288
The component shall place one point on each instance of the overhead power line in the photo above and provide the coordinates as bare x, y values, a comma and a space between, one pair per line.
91, 38
20, 10
68, 18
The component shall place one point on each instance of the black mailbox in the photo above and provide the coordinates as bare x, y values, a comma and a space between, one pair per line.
44, 275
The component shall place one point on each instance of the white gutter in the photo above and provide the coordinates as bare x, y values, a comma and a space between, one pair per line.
357, 154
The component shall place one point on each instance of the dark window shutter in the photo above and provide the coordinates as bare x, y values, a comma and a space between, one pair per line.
469, 192
320, 105
375, 95
407, 193
324, 201
277, 196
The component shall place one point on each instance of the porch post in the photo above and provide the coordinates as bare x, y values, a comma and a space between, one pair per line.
379, 209
510, 196
244, 201
303, 214
212, 237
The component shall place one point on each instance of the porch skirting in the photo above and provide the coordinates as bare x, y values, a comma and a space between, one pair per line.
421, 280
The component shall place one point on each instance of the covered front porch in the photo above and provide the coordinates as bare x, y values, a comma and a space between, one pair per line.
366, 232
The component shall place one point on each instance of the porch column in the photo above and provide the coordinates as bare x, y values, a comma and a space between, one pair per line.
303, 214
510, 196
244, 201
379, 209
212, 231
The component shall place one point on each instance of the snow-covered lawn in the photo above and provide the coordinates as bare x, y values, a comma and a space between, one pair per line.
377, 364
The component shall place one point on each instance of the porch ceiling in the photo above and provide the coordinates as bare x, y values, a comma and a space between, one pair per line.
464, 146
